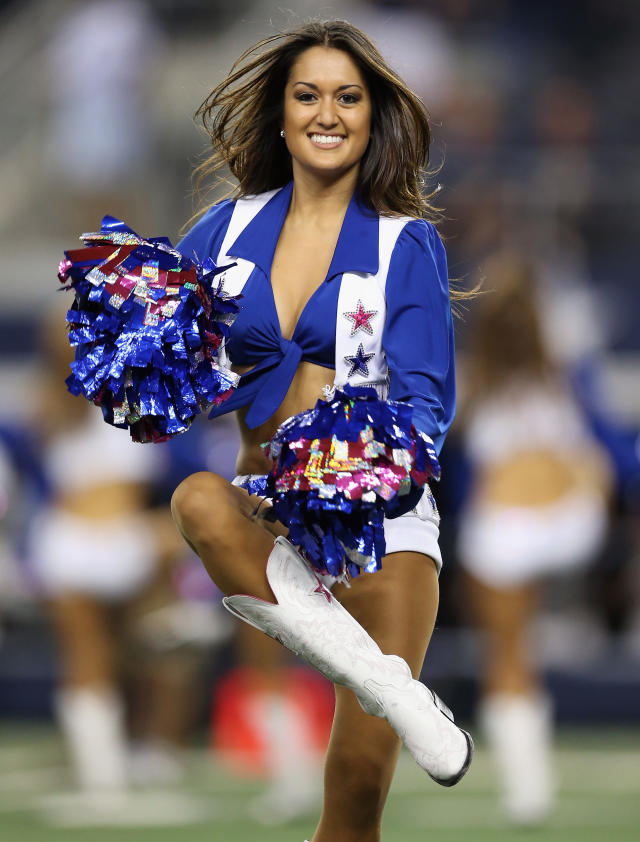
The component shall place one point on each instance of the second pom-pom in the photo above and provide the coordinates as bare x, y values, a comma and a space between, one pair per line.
339, 468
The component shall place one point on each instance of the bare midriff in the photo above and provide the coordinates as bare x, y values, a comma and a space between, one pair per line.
300, 265
104, 500
305, 389
533, 478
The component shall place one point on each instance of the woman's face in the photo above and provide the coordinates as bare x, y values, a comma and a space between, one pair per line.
327, 112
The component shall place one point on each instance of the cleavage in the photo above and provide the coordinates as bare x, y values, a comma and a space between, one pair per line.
300, 267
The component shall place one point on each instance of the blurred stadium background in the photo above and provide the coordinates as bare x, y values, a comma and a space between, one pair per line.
537, 147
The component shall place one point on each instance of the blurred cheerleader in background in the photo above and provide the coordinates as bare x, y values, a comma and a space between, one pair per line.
101, 558
538, 507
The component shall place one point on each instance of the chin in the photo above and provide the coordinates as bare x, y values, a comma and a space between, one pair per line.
327, 167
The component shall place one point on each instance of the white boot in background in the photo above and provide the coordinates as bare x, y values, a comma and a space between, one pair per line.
294, 768
309, 621
92, 722
518, 730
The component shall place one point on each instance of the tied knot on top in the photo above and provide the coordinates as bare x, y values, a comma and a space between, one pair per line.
149, 327
339, 469
276, 384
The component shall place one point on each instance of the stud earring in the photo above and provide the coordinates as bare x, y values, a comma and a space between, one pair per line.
281, 132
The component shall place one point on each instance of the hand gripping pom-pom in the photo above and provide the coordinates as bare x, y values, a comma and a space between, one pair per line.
149, 328
339, 468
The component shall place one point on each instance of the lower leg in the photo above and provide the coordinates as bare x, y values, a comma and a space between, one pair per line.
361, 760
504, 616
88, 704
514, 713
398, 609
85, 640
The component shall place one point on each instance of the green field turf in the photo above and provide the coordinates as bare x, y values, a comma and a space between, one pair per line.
599, 799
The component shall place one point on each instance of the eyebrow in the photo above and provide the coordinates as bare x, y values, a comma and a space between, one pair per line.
316, 88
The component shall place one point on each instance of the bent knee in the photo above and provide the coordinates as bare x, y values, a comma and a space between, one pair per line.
198, 505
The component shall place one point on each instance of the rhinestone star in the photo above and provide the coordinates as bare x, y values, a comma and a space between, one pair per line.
361, 319
359, 361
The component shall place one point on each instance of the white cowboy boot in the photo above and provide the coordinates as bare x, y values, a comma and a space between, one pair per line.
519, 734
310, 622
92, 720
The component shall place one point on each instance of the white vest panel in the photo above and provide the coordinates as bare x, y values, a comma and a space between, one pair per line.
360, 358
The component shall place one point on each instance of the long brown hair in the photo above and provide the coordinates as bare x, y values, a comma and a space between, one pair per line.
243, 116
506, 341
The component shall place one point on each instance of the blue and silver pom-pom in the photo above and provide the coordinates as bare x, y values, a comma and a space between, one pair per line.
339, 468
149, 327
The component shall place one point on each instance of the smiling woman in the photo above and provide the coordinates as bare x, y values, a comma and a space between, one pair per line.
343, 279
244, 117
327, 119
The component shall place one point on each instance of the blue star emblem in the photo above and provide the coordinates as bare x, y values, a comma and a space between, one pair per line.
359, 361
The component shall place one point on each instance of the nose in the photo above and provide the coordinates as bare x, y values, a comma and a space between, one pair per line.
327, 113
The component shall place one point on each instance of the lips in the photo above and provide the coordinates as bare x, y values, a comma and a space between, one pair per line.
326, 141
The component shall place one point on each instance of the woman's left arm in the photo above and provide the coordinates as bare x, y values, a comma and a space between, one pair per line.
418, 332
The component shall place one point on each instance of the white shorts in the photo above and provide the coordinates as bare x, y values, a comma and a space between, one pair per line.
112, 559
416, 531
505, 546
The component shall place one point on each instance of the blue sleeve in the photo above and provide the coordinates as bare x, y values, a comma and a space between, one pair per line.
418, 332
205, 238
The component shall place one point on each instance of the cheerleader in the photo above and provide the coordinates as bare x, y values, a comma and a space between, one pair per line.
538, 507
96, 553
329, 238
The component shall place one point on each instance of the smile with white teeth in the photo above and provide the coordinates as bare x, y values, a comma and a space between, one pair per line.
327, 139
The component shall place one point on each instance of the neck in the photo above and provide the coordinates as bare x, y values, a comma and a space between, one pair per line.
318, 199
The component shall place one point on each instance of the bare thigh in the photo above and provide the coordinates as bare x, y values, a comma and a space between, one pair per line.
82, 627
504, 616
225, 526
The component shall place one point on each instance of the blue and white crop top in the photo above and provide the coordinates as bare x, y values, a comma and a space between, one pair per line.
416, 333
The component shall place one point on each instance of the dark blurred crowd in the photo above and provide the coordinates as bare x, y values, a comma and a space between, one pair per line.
535, 155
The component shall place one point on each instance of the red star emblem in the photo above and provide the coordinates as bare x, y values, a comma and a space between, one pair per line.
322, 590
361, 319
